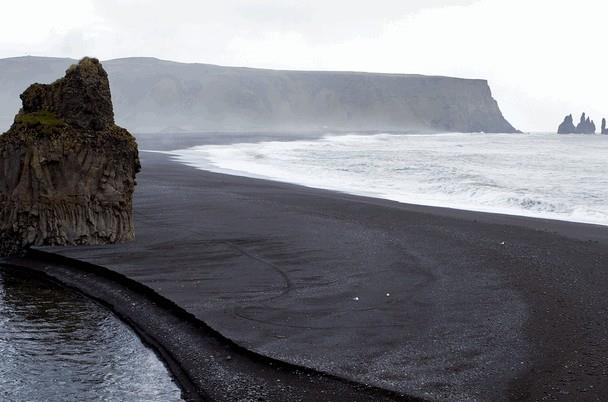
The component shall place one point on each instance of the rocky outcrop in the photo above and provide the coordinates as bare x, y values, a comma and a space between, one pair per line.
154, 95
67, 172
585, 125
567, 126
604, 128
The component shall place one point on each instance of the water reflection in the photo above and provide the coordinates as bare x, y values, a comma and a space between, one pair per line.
58, 345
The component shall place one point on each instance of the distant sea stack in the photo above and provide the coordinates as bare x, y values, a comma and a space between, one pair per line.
67, 172
604, 128
585, 125
567, 126
154, 95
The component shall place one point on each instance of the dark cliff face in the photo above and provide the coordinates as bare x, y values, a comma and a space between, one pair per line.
82, 98
67, 172
604, 128
154, 95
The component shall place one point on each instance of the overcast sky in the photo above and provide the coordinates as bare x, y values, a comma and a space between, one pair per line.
543, 58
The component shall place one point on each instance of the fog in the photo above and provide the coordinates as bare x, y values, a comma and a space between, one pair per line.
542, 58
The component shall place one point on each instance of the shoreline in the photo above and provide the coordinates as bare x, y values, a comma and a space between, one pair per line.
304, 276
213, 169
183, 156
33, 264
126, 299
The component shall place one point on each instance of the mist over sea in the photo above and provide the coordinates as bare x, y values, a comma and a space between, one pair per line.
551, 176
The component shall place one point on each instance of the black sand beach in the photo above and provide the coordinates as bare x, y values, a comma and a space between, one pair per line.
434, 303
207, 366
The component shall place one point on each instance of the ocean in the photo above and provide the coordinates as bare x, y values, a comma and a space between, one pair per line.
551, 176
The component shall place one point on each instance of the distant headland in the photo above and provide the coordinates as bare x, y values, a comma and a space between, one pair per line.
584, 126
162, 96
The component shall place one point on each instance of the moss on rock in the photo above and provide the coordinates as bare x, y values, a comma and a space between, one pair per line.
42, 118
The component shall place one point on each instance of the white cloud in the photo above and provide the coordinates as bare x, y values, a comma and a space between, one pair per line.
543, 58
40, 26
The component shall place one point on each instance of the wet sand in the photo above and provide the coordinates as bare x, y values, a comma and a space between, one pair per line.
207, 366
430, 302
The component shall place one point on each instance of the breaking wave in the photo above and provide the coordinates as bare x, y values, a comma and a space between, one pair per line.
538, 175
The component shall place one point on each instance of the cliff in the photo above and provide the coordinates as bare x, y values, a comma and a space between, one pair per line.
155, 95
67, 172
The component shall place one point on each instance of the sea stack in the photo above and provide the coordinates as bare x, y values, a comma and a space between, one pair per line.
567, 126
604, 128
67, 172
585, 125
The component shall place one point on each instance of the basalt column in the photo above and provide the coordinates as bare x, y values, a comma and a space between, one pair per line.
67, 172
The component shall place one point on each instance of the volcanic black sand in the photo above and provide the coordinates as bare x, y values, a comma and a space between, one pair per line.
206, 365
430, 302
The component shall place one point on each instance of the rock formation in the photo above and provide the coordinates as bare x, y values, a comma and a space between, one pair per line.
67, 172
567, 126
585, 125
604, 128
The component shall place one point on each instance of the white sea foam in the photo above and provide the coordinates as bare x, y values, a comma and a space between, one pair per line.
542, 175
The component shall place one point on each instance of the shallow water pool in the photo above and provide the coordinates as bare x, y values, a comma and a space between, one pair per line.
57, 345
